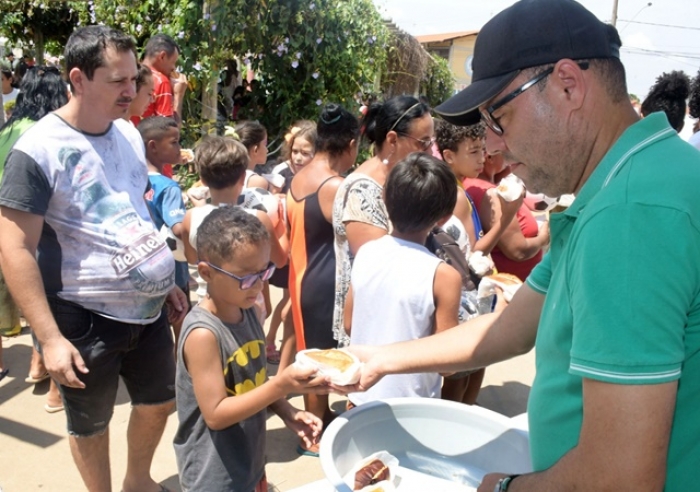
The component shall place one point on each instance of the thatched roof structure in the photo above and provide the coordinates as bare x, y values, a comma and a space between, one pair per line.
407, 62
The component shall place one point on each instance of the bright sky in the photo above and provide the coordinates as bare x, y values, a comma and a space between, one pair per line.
647, 50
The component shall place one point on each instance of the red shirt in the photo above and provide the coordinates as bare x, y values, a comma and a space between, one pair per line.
528, 226
162, 105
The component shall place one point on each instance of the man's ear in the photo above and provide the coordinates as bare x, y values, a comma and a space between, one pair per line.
569, 82
77, 79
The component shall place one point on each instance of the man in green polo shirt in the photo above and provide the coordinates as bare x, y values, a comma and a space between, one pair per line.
614, 307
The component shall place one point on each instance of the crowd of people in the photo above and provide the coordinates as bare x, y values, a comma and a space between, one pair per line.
100, 245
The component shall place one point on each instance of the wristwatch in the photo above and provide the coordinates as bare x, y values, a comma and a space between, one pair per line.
502, 484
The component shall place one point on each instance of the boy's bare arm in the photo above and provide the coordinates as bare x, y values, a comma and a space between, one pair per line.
178, 230
190, 251
447, 291
219, 409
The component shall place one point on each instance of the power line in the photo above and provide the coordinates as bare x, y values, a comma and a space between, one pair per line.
660, 25
645, 51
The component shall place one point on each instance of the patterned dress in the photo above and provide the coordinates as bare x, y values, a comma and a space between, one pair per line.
359, 199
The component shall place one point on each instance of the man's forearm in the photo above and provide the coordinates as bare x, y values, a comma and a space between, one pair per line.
477, 343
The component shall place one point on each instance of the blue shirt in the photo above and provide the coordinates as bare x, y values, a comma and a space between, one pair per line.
165, 203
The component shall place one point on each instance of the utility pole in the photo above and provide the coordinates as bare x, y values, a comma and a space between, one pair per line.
614, 14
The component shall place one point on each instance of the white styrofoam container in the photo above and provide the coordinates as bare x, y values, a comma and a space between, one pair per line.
452, 444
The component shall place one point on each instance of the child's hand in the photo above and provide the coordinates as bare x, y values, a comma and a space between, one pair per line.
299, 379
305, 425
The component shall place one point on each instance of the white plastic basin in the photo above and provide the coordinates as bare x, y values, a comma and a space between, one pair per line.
441, 445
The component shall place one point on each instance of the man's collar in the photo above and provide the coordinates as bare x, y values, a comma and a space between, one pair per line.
637, 137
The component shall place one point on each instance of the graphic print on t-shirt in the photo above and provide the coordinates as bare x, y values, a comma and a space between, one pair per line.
241, 358
136, 248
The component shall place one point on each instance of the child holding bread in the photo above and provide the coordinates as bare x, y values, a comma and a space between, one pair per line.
222, 389
400, 291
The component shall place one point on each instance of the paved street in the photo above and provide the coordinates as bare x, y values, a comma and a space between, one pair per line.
34, 454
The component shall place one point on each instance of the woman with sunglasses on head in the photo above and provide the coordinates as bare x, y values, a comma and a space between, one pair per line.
396, 128
312, 260
42, 91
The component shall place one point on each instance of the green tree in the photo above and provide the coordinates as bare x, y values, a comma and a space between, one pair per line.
438, 82
41, 23
307, 51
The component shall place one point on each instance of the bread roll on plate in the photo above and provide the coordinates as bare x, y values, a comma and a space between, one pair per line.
375, 473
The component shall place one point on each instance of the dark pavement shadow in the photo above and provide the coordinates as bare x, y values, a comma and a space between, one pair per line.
27, 433
509, 399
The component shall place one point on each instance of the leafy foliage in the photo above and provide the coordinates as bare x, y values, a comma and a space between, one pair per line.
38, 22
438, 81
310, 51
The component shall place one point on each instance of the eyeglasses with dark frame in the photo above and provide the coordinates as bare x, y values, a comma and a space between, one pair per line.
246, 281
424, 144
487, 114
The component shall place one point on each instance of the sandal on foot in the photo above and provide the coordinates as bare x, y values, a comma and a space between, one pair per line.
50, 409
273, 355
3, 373
306, 452
36, 380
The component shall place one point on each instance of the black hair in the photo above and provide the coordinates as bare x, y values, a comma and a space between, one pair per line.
250, 133
158, 43
419, 191
220, 161
144, 73
155, 127
86, 46
335, 129
42, 91
694, 100
226, 228
668, 94
396, 114
449, 136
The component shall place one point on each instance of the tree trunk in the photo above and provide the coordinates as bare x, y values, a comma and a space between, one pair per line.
38, 45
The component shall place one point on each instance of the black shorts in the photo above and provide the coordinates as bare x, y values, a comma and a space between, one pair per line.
280, 277
141, 354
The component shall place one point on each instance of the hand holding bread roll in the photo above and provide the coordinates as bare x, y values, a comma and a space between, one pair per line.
508, 283
342, 367
510, 188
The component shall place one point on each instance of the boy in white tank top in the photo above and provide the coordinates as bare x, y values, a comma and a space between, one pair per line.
399, 290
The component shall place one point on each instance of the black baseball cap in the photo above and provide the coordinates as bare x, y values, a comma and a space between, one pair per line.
527, 34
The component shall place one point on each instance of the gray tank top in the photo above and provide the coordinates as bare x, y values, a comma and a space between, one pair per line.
232, 459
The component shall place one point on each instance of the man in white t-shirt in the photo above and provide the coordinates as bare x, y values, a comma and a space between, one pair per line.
88, 269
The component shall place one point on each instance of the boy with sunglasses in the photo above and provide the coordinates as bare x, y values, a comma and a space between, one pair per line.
221, 383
